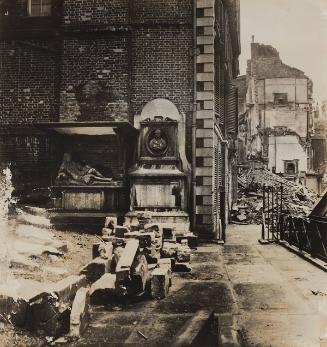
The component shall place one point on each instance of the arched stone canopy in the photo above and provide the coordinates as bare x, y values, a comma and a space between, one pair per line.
165, 108
162, 108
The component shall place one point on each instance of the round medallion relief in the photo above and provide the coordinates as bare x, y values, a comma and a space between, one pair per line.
157, 142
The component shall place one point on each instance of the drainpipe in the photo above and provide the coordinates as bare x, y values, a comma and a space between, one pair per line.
194, 120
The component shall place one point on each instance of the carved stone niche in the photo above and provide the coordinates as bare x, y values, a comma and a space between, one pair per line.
158, 183
159, 180
158, 141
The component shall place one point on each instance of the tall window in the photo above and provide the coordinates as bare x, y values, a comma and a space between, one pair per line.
39, 8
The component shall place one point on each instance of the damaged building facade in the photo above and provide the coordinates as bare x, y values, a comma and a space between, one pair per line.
276, 120
129, 86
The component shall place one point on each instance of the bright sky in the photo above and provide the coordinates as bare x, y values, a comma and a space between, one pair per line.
296, 28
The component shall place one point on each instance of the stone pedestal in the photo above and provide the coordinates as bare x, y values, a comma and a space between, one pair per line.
158, 184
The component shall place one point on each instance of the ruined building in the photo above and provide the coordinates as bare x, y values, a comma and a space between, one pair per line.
86, 76
276, 107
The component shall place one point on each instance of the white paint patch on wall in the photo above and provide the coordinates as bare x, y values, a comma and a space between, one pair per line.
296, 89
286, 147
293, 120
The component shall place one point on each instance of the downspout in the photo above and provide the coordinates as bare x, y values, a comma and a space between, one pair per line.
275, 152
194, 119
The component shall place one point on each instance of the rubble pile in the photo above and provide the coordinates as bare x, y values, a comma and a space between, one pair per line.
144, 255
297, 199
127, 261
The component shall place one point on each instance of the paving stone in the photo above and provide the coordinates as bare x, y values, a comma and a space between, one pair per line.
196, 331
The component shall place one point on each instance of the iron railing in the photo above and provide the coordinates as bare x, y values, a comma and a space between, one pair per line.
278, 224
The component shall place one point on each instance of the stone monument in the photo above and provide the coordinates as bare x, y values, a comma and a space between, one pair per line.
159, 181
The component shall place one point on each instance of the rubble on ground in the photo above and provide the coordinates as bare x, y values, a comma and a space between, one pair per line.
129, 260
297, 199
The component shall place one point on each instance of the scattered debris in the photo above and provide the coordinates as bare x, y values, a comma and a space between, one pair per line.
317, 292
141, 334
297, 199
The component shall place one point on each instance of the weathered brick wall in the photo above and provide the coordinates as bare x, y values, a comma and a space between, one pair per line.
163, 11
28, 93
162, 68
95, 12
29, 159
27, 84
94, 76
108, 70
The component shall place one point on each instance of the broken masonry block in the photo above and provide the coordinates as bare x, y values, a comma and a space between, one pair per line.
183, 254
160, 283
120, 231
16, 296
118, 242
162, 262
105, 250
106, 232
129, 252
135, 227
145, 239
166, 263
151, 227
47, 310
168, 233
95, 250
103, 289
191, 238
58, 324
169, 249
41, 309
110, 222
154, 228
80, 315
95, 269
67, 287
126, 260
139, 274
117, 255
182, 267
13, 310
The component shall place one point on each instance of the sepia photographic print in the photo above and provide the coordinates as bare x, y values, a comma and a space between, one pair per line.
163, 173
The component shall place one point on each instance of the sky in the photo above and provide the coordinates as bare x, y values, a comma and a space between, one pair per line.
296, 28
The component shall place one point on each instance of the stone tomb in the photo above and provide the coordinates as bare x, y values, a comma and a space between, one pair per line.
79, 187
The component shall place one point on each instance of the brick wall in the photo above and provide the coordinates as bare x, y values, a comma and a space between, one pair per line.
28, 93
164, 11
27, 85
95, 78
162, 68
95, 12
28, 157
